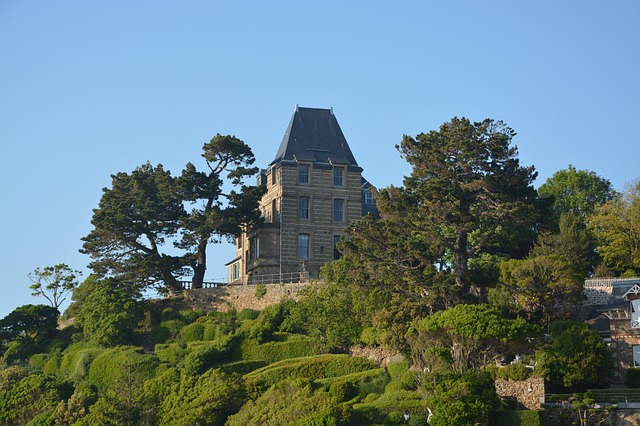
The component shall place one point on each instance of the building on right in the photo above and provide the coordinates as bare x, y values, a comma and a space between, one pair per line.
616, 316
314, 188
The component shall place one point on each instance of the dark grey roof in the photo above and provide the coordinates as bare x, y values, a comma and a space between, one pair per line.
314, 135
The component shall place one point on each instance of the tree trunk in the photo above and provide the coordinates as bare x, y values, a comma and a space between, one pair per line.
200, 266
461, 258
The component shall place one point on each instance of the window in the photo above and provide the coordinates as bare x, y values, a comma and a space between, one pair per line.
303, 207
303, 173
234, 272
338, 176
636, 356
635, 313
239, 242
336, 252
303, 246
274, 211
273, 175
254, 248
367, 196
338, 210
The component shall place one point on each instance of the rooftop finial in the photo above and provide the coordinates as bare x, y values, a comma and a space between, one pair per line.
296, 107
331, 110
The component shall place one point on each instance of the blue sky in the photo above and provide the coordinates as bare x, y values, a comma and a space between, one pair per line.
88, 89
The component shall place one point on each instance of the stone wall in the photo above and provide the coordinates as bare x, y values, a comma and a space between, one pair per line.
529, 393
239, 296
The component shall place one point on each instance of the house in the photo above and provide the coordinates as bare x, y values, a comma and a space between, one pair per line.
314, 188
615, 305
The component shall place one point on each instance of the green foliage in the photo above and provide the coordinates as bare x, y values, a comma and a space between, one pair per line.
326, 312
515, 371
517, 418
123, 364
294, 346
191, 332
292, 402
77, 359
577, 192
269, 321
184, 400
172, 353
54, 283
28, 326
133, 220
475, 332
108, 315
32, 396
632, 378
577, 359
315, 367
248, 314
616, 225
76, 407
202, 356
260, 292
463, 400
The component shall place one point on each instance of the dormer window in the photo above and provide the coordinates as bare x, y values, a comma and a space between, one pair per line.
367, 196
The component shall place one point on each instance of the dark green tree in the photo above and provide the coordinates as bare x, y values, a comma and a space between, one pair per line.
131, 224
577, 192
463, 400
574, 244
221, 211
466, 188
54, 283
107, 314
578, 358
475, 334
27, 328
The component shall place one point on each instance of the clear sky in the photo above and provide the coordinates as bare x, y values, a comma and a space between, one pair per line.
88, 89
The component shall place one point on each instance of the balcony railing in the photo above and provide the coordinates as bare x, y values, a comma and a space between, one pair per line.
285, 278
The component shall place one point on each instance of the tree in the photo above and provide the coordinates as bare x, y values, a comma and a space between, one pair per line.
617, 227
542, 285
220, 214
473, 333
465, 188
578, 358
132, 223
29, 323
54, 283
107, 314
578, 192
574, 244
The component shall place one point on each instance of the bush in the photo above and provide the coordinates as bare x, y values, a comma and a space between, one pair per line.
520, 417
514, 372
394, 418
632, 379
121, 365
397, 369
248, 314
295, 346
205, 355
261, 290
77, 359
159, 334
192, 332
191, 315
169, 314
172, 354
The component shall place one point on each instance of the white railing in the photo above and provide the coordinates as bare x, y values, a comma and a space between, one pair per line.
217, 282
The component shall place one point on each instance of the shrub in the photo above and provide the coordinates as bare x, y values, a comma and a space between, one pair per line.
394, 418
261, 290
159, 334
123, 365
632, 379
295, 346
514, 372
192, 332
172, 354
248, 314
202, 357
169, 314
191, 315
77, 359
173, 326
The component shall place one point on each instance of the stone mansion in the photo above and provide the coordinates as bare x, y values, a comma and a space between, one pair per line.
314, 188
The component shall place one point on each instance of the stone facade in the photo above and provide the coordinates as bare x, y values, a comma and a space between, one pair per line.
239, 296
529, 393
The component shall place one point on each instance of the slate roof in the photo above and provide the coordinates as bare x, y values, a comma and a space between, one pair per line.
314, 136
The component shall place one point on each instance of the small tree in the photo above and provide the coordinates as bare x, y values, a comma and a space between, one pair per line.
54, 283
